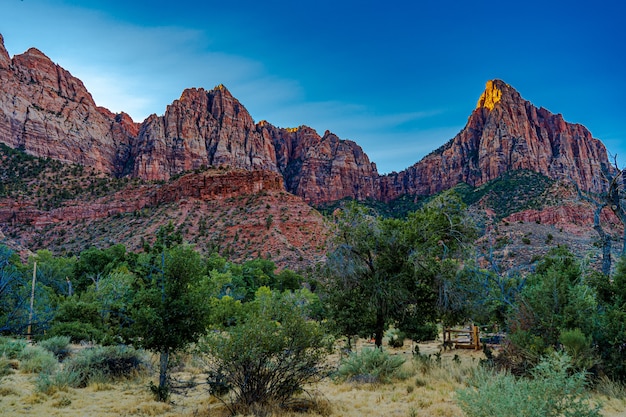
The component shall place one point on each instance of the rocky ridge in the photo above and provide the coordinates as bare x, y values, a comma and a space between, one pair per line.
506, 133
49, 113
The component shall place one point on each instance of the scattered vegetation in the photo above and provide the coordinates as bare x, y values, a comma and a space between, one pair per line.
370, 366
103, 363
264, 336
514, 191
552, 391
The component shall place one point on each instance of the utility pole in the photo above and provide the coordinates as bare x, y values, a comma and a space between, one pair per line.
32, 301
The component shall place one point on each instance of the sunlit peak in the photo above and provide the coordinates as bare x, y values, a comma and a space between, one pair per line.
490, 96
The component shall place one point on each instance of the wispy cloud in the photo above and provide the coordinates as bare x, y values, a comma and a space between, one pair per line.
141, 69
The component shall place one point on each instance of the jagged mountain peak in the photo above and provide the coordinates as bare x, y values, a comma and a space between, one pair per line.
506, 133
498, 93
49, 113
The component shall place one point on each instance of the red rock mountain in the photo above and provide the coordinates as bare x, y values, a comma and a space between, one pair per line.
504, 133
49, 113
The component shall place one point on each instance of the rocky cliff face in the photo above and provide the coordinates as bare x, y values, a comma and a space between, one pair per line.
209, 128
49, 113
504, 133
321, 169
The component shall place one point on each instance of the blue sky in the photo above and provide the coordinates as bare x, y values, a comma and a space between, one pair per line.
399, 77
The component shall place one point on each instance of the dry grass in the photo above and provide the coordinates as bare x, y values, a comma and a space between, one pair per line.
427, 391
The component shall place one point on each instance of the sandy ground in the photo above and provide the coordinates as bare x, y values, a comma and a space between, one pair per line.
422, 395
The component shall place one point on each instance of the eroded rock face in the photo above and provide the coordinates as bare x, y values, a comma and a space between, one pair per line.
504, 133
205, 186
322, 169
209, 128
47, 112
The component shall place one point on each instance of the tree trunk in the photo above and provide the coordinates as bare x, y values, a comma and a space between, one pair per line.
605, 240
379, 330
164, 360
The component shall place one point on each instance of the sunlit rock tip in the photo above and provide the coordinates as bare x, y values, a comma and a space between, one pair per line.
492, 94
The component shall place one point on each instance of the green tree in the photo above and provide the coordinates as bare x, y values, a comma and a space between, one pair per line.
170, 312
554, 300
93, 264
610, 335
14, 292
386, 271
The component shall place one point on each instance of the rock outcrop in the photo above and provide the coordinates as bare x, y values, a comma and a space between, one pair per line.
47, 112
322, 169
204, 186
504, 133
202, 128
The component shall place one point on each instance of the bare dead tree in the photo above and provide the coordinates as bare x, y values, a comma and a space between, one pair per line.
605, 239
616, 199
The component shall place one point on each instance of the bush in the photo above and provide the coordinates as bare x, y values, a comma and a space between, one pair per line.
420, 332
395, 338
370, 365
268, 356
58, 381
11, 348
578, 347
551, 392
58, 345
107, 362
77, 331
35, 359
5, 367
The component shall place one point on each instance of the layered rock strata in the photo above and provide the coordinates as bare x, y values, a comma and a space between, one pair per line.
47, 112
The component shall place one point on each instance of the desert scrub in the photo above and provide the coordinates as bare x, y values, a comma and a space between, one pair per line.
35, 359
5, 367
268, 357
60, 380
58, 345
370, 365
11, 348
395, 338
551, 392
106, 363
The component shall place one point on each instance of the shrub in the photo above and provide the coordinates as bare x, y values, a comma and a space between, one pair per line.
5, 366
106, 362
76, 331
578, 347
58, 345
370, 365
268, 356
35, 359
11, 348
420, 332
552, 392
57, 381
395, 338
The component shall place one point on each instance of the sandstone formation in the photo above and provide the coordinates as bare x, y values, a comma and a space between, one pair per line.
504, 133
322, 169
202, 128
209, 185
47, 112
